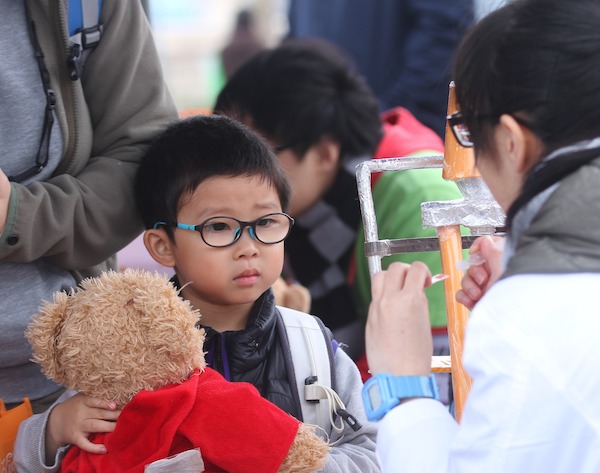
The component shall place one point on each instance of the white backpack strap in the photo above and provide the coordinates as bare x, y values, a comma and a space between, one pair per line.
311, 363
312, 368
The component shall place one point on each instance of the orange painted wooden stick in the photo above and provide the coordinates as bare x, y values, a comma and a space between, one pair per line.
451, 252
459, 162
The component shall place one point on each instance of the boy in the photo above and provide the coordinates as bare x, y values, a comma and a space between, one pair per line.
212, 197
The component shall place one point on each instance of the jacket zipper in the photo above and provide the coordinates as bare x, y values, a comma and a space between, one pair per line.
71, 111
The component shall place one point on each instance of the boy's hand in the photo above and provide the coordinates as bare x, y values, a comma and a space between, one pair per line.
72, 422
4, 199
398, 332
479, 278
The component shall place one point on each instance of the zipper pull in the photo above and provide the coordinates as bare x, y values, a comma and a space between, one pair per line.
74, 62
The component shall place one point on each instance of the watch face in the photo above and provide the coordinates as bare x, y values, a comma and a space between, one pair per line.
374, 396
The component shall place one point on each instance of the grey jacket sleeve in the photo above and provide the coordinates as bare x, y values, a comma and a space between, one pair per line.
351, 451
86, 212
30, 446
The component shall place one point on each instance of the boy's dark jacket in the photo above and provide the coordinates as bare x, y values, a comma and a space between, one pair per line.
259, 355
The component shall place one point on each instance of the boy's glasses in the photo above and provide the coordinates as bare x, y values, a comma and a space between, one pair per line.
220, 232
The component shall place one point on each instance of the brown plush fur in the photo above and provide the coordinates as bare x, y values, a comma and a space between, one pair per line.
128, 331
116, 335
294, 296
311, 454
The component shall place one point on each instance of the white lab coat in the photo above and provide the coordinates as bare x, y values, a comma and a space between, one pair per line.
531, 347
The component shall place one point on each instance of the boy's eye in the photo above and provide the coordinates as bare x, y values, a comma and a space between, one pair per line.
217, 227
265, 222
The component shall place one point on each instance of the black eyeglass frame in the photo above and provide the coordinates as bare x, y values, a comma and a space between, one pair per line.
458, 118
242, 224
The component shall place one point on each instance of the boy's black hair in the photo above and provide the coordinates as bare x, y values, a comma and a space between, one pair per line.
301, 91
192, 150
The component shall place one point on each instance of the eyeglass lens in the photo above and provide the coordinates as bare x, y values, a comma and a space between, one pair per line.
462, 134
223, 231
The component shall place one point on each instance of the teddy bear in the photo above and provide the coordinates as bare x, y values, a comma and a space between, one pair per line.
129, 337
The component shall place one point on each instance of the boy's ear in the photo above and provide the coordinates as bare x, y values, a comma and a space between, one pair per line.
159, 245
328, 153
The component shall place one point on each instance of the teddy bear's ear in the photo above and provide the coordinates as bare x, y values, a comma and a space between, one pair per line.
44, 331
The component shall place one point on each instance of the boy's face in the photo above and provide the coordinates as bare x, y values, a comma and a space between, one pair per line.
232, 276
312, 176
304, 180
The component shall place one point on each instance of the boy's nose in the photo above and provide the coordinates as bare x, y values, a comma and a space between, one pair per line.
240, 232
247, 244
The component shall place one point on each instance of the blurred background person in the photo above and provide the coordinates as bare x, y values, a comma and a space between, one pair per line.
244, 43
404, 48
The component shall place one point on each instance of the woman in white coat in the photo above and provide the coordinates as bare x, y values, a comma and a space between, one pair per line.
527, 84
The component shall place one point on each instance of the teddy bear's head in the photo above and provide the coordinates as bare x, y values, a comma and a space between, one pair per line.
118, 334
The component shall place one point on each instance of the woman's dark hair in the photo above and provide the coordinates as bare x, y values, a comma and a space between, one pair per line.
538, 60
192, 150
301, 91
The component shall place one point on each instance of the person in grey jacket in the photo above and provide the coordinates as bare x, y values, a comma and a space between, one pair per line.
66, 199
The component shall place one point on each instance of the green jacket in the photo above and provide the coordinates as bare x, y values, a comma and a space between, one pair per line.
397, 197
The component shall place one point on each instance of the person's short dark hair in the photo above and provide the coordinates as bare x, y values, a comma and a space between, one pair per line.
192, 150
537, 59
301, 91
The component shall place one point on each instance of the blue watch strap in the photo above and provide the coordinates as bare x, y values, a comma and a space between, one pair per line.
404, 387
383, 392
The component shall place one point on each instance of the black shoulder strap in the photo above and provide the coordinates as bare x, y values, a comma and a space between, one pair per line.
43, 152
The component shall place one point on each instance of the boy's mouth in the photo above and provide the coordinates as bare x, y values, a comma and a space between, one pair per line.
248, 277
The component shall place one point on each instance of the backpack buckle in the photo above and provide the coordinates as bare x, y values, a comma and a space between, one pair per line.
90, 37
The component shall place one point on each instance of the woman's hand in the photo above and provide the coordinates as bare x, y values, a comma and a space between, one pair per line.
398, 332
480, 277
